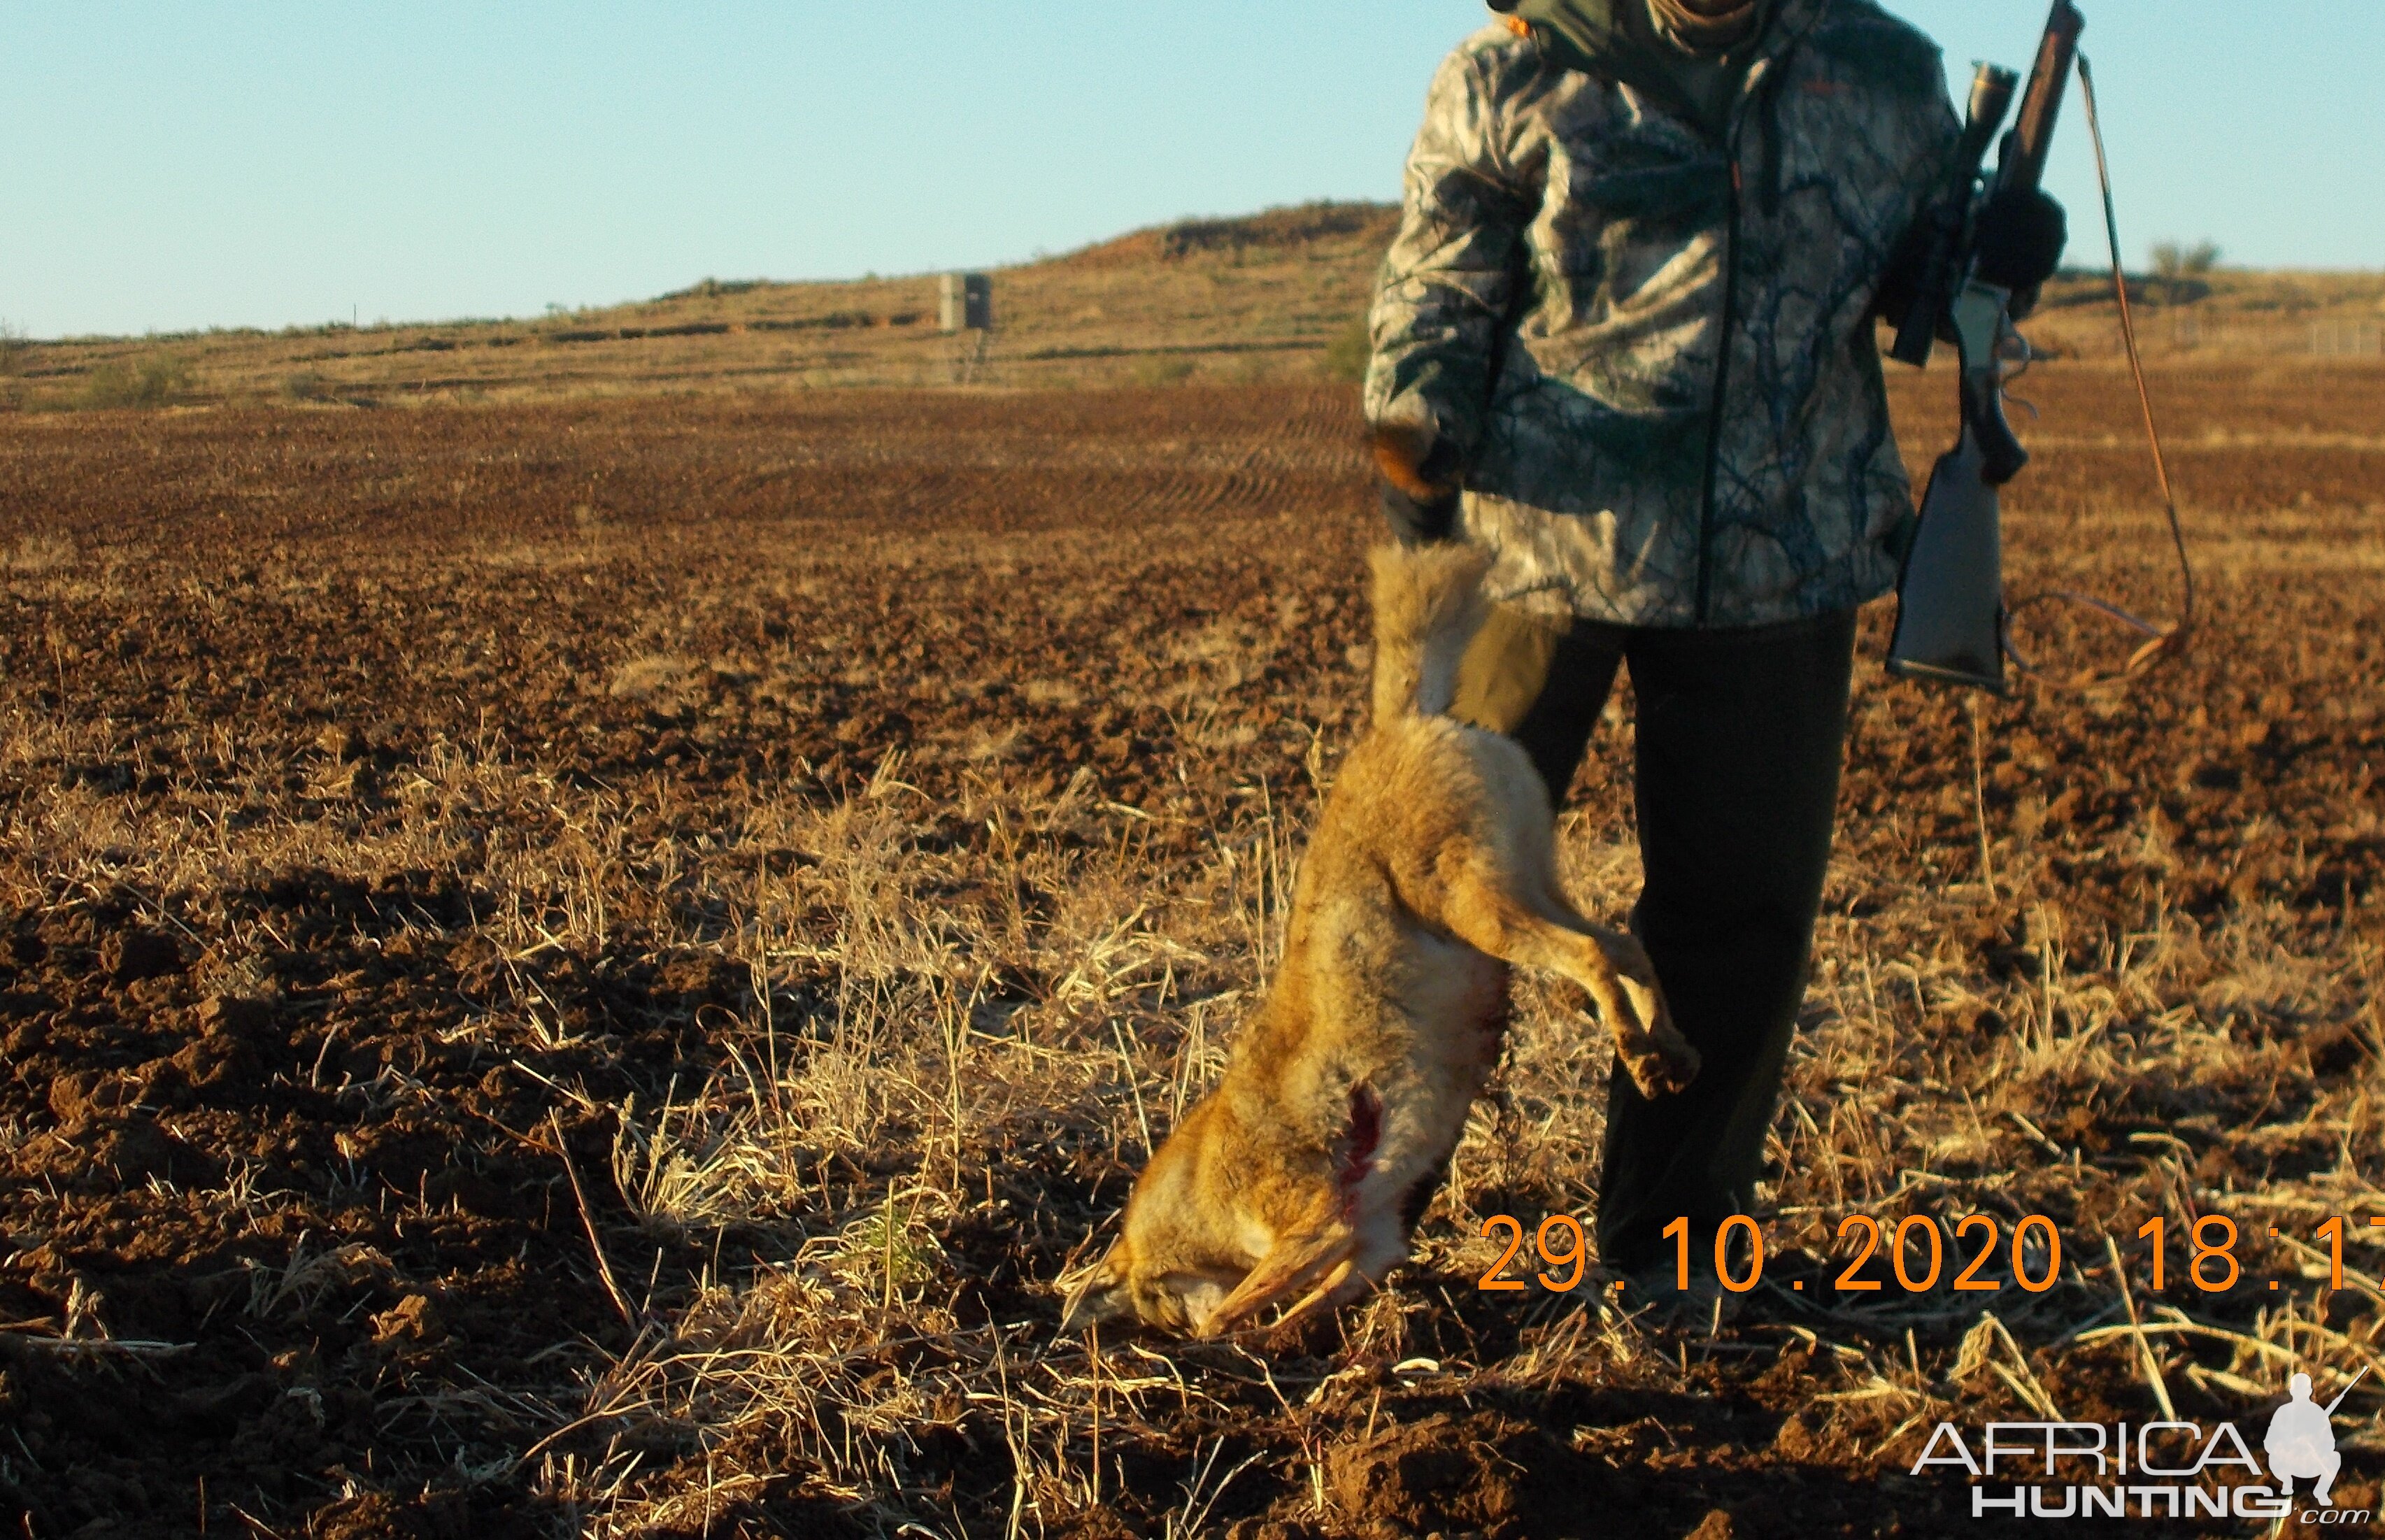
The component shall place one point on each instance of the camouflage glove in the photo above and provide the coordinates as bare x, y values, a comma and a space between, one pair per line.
1420, 490
2018, 240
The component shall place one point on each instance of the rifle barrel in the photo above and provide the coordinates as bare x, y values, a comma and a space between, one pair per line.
2022, 163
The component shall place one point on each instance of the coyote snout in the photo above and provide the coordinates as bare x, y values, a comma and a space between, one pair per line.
1301, 1176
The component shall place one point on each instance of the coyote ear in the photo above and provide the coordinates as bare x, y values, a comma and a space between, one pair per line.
1102, 1294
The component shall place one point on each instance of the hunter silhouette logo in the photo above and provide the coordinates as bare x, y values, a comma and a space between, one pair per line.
2300, 1445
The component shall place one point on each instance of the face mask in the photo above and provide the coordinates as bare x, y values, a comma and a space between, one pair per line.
1704, 26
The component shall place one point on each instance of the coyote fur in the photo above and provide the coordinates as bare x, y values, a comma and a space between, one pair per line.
1301, 1176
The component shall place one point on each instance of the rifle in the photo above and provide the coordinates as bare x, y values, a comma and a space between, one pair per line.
1950, 621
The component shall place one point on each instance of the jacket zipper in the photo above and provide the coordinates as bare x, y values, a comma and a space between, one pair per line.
1721, 384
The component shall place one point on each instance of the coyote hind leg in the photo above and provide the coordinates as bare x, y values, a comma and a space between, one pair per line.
1538, 929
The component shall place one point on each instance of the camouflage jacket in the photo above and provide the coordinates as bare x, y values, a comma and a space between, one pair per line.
1654, 349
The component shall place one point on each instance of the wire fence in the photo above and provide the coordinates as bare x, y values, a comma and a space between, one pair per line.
2347, 339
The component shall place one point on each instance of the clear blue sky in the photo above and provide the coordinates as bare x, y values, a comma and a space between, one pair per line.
184, 164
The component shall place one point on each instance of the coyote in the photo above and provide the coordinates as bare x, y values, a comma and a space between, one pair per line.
1301, 1176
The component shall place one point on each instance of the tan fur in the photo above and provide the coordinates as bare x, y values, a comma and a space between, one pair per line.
1299, 1178
1428, 605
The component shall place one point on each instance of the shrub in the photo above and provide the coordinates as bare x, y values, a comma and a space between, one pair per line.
156, 380
1346, 355
2180, 269
306, 385
13, 348
2174, 259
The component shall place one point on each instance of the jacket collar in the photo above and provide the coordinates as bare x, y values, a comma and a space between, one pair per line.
1591, 36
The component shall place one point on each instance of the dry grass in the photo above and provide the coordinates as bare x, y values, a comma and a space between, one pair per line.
846, 1354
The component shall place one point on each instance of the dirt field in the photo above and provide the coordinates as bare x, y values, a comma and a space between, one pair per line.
580, 969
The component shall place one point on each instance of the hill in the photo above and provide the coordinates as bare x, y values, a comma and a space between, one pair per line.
1224, 300
1235, 300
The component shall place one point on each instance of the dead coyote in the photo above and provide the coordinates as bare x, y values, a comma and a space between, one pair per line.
1433, 868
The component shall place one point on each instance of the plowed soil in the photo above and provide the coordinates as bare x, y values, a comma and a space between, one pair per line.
583, 969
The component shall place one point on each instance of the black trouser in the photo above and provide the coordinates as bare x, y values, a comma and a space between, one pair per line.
1739, 739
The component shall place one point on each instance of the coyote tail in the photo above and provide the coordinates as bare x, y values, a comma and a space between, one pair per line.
1427, 602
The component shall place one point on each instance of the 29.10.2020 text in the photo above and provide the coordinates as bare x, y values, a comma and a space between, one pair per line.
1921, 1254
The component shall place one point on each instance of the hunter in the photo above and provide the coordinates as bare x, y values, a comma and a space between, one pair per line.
1625, 340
